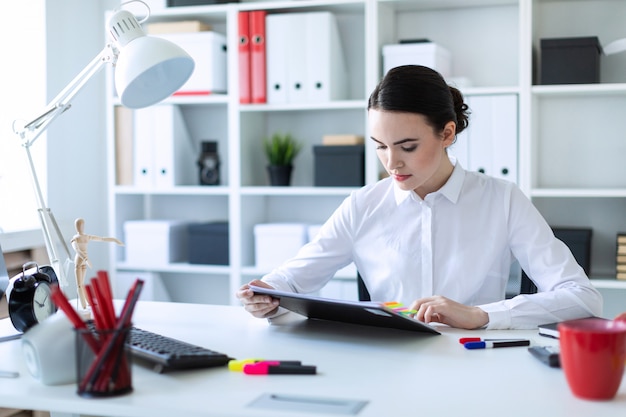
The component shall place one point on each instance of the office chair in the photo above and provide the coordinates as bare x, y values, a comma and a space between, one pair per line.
526, 287
364, 294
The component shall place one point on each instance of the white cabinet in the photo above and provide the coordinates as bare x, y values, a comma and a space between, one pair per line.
569, 138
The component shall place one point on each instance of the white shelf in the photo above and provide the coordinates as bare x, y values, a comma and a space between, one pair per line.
178, 267
290, 107
578, 193
581, 90
189, 99
609, 284
425, 5
296, 191
483, 91
178, 190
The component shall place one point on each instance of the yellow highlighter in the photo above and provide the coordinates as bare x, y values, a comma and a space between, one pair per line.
237, 365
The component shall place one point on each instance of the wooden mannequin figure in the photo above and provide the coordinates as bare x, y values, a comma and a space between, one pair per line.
81, 260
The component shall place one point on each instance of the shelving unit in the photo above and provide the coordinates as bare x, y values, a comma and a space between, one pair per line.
570, 146
575, 171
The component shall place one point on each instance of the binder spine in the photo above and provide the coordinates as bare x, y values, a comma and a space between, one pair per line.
258, 57
244, 57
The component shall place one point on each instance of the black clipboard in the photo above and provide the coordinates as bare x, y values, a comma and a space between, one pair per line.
354, 312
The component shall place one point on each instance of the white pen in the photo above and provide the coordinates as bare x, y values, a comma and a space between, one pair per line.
9, 374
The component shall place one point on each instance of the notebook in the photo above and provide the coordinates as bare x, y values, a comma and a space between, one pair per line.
549, 330
362, 313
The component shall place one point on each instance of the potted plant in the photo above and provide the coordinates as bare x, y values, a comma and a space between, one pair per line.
281, 150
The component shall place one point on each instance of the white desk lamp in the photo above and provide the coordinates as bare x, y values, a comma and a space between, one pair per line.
147, 70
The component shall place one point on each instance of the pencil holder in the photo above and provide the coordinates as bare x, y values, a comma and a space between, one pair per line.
103, 364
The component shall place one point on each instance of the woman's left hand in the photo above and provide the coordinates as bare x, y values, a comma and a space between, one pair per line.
440, 309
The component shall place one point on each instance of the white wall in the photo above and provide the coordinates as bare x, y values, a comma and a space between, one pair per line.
23, 83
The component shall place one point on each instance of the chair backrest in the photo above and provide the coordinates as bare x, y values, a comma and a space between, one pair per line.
526, 287
364, 295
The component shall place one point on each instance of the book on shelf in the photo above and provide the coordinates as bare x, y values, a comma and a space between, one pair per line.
620, 258
342, 139
181, 26
123, 146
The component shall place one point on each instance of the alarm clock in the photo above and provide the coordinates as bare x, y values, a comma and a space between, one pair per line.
28, 296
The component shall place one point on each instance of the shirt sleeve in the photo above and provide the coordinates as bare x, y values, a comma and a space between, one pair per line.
564, 290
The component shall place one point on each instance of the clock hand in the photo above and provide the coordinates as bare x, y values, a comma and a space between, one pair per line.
43, 302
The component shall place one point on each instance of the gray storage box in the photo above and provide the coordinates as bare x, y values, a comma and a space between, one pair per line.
208, 243
339, 166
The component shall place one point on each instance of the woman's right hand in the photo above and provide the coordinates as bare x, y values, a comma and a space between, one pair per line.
258, 305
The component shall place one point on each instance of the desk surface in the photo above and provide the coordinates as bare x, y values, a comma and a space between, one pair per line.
397, 372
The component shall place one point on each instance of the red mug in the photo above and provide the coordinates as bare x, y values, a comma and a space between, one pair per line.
593, 352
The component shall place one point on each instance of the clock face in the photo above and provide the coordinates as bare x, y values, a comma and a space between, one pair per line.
43, 307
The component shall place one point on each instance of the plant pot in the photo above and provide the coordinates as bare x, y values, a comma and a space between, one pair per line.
279, 174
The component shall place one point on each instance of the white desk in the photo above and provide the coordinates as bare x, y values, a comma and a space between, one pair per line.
398, 373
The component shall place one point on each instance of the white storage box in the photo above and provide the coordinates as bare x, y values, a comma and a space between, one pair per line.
208, 50
277, 242
427, 54
155, 242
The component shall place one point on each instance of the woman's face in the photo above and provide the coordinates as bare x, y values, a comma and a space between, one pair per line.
411, 151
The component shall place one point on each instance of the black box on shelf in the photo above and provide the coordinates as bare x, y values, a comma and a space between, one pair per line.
570, 60
208, 243
578, 240
339, 166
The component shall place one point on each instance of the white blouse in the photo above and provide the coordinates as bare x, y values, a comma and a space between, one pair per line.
458, 242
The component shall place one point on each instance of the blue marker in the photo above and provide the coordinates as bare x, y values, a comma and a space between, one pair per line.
492, 344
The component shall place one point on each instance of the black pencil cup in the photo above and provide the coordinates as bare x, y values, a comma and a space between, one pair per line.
103, 364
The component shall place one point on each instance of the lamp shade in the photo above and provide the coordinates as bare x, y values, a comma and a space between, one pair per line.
148, 69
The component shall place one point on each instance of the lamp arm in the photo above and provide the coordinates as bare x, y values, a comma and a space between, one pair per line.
62, 102
29, 133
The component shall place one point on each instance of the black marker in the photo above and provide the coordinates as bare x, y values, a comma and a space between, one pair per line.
490, 344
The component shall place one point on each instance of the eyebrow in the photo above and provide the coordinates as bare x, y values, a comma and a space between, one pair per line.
400, 142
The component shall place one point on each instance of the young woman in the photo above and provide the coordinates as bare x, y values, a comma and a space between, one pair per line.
432, 235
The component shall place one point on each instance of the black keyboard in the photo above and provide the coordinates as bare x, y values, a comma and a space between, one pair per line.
164, 353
